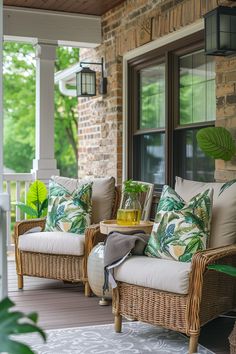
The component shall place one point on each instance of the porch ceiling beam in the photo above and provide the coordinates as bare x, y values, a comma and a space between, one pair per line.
65, 28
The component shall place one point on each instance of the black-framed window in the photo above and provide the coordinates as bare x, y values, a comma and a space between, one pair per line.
173, 95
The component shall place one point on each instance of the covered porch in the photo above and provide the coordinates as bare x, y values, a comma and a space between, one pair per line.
113, 138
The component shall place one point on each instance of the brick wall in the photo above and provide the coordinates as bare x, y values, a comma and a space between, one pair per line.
128, 26
226, 110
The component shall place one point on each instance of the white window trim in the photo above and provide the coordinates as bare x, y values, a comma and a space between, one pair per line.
160, 42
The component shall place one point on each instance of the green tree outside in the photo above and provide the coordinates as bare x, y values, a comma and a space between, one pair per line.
19, 110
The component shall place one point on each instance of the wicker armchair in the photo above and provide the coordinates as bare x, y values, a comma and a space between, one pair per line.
57, 266
208, 293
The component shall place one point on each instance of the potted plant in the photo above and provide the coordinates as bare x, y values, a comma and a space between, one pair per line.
15, 323
36, 201
129, 212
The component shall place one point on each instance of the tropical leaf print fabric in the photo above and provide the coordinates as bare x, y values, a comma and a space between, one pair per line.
180, 228
69, 212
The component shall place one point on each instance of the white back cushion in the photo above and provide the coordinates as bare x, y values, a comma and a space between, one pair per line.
102, 196
223, 223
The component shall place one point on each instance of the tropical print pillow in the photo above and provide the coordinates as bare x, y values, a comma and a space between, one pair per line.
69, 212
180, 229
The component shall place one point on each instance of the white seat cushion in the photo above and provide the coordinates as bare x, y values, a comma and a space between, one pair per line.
52, 243
154, 273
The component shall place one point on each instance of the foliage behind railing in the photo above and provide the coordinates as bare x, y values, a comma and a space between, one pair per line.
16, 185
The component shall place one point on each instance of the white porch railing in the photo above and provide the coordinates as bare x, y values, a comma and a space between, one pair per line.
4, 208
16, 185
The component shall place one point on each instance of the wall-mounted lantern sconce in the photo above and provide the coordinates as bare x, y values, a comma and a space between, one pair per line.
86, 81
220, 31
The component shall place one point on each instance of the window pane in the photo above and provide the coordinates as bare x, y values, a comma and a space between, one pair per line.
149, 160
197, 98
193, 164
152, 97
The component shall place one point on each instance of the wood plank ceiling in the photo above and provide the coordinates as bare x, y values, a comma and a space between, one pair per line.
87, 7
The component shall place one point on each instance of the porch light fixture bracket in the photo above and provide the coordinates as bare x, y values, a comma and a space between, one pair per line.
86, 80
220, 31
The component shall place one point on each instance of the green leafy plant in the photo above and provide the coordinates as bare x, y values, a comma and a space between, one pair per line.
36, 201
14, 323
224, 268
134, 187
216, 142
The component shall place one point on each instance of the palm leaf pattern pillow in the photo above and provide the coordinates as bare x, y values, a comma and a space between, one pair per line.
69, 212
180, 229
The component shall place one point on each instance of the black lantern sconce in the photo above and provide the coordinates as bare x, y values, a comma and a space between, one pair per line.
220, 31
86, 81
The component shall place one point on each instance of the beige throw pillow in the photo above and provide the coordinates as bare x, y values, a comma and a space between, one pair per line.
103, 194
223, 223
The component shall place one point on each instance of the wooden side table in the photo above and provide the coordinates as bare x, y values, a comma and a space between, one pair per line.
107, 226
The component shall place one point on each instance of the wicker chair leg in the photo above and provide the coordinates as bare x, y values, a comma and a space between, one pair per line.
118, 323
20, 281
87, 289
193, 343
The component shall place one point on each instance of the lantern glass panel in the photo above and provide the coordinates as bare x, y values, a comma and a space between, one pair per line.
233, 23
211, 33
86, 82
89, 83
233, 41
225, 42
224, 23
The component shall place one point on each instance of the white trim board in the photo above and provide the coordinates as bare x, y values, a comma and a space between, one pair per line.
158, 43
65, 28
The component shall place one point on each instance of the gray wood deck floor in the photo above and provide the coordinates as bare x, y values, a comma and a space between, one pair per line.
59, 305
64, 305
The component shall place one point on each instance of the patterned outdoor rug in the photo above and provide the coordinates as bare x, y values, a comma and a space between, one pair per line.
136, 338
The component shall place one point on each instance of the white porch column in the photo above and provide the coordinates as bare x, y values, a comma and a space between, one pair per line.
44, 164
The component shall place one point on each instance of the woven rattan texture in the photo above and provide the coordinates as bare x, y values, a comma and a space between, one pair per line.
210, 294
52, 266
153, 306
217, 292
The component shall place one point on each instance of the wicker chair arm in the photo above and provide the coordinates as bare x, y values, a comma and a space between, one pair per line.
200, 261
25, 225
92, 237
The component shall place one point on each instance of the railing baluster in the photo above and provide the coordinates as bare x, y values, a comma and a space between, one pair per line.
27, 184
22, 180
8, 215
17, 200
